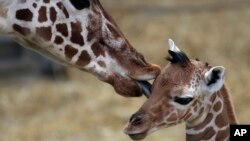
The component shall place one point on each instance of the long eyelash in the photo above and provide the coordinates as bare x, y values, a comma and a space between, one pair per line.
183, 101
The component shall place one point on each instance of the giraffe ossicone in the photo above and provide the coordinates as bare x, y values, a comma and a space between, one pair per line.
193, 93
78, 33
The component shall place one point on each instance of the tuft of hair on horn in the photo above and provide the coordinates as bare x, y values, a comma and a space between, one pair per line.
176, 56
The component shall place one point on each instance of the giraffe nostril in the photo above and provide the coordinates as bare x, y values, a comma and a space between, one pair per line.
135, 120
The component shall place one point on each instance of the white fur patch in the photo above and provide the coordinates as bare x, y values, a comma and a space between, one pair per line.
172, 46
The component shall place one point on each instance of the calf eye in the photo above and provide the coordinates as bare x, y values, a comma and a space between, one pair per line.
183, 100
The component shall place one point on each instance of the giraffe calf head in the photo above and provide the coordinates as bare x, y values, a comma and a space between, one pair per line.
183, 92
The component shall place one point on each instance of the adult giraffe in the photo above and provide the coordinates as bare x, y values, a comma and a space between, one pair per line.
78, 33
187, 91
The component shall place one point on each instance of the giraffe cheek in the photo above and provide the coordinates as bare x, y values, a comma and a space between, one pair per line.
172, 119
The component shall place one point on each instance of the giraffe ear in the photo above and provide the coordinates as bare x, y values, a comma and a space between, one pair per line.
214, 78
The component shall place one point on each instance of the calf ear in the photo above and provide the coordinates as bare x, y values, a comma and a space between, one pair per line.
214, 78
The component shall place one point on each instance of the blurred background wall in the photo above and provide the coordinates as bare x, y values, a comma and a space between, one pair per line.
18, 63
75, 106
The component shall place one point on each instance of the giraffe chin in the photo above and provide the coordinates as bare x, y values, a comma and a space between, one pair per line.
138, 136
136, 132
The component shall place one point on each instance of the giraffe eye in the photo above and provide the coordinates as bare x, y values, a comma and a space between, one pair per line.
183, 100
80, 4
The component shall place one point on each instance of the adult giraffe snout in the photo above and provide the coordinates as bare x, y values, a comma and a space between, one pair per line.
81, 34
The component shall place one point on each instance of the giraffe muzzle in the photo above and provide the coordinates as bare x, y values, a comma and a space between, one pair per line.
137, 127
139, 136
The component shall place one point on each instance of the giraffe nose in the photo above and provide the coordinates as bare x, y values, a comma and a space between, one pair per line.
136, 119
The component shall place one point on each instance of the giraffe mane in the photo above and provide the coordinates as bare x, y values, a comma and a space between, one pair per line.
229, 106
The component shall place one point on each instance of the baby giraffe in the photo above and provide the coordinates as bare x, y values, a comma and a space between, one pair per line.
187, 91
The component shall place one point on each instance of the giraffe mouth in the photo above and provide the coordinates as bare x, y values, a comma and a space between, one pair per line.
138, 136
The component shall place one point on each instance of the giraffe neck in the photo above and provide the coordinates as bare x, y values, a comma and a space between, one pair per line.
215, 126
88, 39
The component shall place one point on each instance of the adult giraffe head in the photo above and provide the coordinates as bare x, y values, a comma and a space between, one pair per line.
187, 91
79, 33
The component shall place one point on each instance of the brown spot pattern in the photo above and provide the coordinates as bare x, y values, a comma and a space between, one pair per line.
172, 118
195, 108
46, 1
42, 14
70, 52
91, 33
205, 122
202, 110
217, 106
97, 49
220, 120
22, 30
24, 14
83, 59
53, 15
63, 29
209, 132
76, 36
62, 7
44, 32
157, 110
58, 40
212, 98
188, 116
34, 5
222, 135
102, 64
